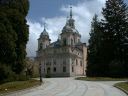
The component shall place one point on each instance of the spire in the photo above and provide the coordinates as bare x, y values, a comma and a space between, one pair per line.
67, 22
70, 23
44, 33
71, 20
44, 26
70, 12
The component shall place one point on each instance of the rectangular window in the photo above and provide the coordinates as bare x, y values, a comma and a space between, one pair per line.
54, 69
64, 62
80, 63
76, 62
72, 61
64, 69
54, 62
72, 69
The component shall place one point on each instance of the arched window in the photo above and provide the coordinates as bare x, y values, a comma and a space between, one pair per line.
54, 69
71, 41
64, 42
72, 69
80, 63
40, 46
48, 70
64, 69
74, 41
76, 62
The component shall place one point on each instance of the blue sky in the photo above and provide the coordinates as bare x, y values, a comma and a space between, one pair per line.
54, 14
48, 8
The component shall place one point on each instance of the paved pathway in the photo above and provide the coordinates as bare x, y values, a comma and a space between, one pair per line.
70, 87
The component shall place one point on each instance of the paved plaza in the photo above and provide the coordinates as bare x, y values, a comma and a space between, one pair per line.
70, 87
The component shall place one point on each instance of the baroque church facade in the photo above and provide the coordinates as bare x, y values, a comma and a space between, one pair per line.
64, 57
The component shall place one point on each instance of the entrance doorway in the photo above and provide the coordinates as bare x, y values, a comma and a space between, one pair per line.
48, 70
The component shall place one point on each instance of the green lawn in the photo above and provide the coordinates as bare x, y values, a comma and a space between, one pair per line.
100, 79
122, 85
17, 85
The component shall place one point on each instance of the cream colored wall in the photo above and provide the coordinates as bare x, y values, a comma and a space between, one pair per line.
69, 36
44, 42
78, 69
85, 58
59, 60
80, 56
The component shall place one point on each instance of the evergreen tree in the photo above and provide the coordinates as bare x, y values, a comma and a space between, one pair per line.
13, 33
115, 29
7, 41
94, 67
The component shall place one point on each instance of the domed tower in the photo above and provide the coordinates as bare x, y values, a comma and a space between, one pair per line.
44, 40
69, 35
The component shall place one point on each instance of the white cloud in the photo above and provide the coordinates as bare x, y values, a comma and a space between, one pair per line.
83, 13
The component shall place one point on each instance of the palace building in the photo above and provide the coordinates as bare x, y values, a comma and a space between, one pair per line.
64, 57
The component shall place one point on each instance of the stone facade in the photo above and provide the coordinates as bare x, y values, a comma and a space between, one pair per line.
66, 56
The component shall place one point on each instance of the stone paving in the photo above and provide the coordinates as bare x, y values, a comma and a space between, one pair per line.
70, 87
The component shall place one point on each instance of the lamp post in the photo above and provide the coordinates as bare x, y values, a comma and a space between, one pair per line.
40, 73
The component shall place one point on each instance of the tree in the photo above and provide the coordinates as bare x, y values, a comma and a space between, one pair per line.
94, 49
13, 33
7, 41
115, 30
17, 14
29, 67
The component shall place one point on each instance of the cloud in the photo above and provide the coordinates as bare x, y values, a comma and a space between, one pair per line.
83, 13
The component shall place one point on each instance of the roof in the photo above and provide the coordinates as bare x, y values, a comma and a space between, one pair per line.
55, 44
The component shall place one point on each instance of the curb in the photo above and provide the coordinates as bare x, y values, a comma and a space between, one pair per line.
121, 89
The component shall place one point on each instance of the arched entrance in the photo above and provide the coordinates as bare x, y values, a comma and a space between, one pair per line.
48, 70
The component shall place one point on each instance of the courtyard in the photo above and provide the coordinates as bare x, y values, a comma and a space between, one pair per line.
71, 87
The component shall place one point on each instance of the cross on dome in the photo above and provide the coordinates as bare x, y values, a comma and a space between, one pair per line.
70, 11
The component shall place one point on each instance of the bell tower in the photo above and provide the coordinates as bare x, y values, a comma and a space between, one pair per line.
70, 36
71, 20
44, 39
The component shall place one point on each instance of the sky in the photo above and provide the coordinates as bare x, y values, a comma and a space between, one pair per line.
54, 13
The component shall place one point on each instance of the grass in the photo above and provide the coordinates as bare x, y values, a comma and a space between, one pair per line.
123, 86
18, 85
101, 79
